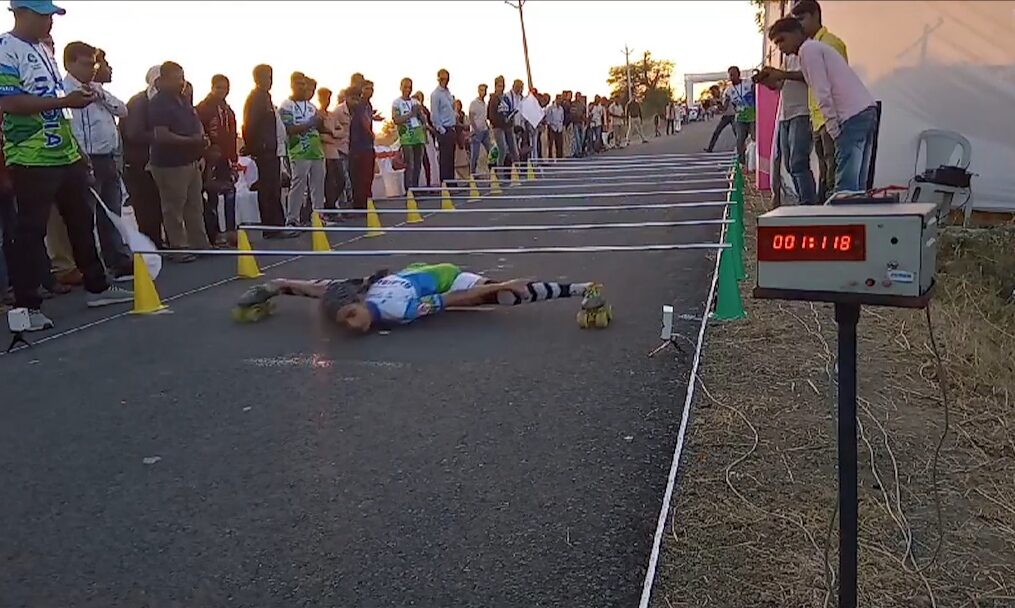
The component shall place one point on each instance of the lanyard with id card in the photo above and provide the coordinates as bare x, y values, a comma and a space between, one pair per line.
54, 76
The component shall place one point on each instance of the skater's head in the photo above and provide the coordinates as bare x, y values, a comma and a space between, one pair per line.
355, 317
341, 303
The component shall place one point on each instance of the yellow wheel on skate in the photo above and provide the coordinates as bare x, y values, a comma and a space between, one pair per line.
253, 314
603, 317
599, 318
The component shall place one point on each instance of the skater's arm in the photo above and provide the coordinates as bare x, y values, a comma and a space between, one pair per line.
296, 287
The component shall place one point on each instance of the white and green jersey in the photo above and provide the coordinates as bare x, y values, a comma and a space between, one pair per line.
36, 140
411, 132
306, 145
740, 97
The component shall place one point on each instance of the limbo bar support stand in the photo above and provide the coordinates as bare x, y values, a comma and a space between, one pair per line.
846, 317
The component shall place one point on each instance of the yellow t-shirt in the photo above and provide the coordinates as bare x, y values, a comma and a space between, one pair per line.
823, 35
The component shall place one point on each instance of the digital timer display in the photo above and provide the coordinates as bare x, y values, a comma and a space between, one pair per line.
845, 243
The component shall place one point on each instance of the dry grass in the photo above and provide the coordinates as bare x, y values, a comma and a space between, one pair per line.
752, 520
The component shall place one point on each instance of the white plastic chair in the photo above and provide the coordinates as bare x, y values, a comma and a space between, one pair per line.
939, 147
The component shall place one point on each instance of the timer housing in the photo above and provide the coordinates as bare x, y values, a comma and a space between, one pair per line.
869, 250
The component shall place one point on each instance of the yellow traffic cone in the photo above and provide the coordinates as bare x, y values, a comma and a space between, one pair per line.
373, 219
412, 215
446, 203
246, 265
494, 182
318, 238
514, 175
473, 189
146, 297
531, 172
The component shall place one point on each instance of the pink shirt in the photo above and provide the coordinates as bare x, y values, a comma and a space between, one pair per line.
839, 91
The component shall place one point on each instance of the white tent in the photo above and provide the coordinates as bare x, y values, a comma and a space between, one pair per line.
933, 65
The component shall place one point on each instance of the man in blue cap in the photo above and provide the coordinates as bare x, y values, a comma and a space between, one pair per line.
45, 160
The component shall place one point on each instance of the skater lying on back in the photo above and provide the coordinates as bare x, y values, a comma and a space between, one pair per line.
420, 290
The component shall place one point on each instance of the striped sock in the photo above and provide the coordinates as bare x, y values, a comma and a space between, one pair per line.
542, 291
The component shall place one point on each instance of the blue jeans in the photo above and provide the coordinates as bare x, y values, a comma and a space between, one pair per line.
853, 150
795, 147
595, 138
479, 139
578, 147
413, 157
742, 130
507, 146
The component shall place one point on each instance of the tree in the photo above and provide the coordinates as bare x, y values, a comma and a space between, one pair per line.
650, 81
646, 75
759, 14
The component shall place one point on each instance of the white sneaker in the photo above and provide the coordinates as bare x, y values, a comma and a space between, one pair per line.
38, 321
113, 295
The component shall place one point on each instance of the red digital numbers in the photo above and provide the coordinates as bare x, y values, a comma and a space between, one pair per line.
812, 243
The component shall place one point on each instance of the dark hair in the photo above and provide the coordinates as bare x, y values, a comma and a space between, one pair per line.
323, 90
339, 294
786, 25
262, 69
76, 50
806, 7
219, 78
169, 66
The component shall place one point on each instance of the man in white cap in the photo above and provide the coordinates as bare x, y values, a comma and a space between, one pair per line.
45, 160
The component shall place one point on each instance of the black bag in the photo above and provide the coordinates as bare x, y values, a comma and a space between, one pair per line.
956, 177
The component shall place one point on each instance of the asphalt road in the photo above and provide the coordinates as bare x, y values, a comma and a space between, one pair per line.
478, 458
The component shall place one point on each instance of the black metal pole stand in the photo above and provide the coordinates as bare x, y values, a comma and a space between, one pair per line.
847, 316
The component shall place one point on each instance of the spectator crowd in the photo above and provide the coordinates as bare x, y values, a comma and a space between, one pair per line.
75, 155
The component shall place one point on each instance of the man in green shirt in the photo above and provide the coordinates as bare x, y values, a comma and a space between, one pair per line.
306, 153
45, 161
408, 116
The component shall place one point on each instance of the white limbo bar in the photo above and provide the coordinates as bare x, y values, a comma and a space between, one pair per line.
608, 169
592, 177
553, 185
503, 228
632, 157
578, 195
562, 208
437, 252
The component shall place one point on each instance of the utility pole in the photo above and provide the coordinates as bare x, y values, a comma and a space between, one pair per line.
525, 42
627, 63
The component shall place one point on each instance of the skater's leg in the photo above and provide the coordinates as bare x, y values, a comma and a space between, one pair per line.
538, 291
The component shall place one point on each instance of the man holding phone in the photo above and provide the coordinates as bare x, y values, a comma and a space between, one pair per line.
45, 160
